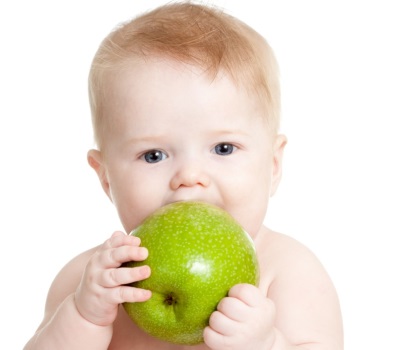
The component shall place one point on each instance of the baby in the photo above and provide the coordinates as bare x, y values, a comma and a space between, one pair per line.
185, 105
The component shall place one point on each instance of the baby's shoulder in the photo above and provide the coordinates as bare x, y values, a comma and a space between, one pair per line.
278, 247
67, 279
285, 261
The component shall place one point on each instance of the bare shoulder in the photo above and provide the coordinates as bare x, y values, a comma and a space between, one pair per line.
304, 295
66, 282
281, 255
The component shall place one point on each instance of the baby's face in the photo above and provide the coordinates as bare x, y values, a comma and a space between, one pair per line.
177, 136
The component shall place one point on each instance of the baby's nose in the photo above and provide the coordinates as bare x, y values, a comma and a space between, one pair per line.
190, 175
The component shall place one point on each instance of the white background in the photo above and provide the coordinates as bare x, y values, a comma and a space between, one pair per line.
340, 190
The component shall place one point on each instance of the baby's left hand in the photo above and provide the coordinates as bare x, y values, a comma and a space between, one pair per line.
243, 320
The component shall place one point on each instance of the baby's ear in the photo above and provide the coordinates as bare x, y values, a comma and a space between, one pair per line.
95, 160
279, 146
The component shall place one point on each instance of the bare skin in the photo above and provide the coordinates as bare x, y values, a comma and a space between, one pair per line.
282, 282
219, 151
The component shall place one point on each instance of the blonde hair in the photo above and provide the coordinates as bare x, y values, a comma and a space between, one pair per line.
196, 34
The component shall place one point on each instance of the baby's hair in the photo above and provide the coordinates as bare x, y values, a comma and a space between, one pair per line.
194, 34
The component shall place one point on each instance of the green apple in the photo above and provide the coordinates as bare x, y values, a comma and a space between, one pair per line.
197, 252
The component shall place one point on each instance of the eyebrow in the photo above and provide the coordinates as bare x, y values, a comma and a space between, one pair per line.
231, 132
145, 138
158, 137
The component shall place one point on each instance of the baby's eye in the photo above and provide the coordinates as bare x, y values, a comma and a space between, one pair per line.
154, 156
224, 149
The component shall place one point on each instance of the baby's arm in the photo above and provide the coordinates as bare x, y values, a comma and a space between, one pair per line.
82, 303
307, 307
300, 311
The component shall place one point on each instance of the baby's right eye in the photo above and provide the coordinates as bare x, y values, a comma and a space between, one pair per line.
154, 156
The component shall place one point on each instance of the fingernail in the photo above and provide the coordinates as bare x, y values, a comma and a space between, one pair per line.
143, 252
146, 293
136, 241
145, 271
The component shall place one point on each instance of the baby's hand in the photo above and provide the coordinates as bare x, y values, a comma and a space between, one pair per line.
243, 320
102, 287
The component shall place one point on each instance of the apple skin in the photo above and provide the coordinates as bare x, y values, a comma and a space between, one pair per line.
197, 252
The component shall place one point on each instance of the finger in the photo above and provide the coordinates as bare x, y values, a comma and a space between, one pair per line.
222, 324
233, 308
120, 276
215, 340
128, 253
119, 239
114, 257
127, 294
247, 293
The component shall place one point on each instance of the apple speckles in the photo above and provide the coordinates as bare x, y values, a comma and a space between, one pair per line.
197, 252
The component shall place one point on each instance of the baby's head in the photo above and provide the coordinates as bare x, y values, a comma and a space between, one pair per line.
200, 36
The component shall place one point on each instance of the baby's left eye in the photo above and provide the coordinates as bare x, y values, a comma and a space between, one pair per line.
224, 149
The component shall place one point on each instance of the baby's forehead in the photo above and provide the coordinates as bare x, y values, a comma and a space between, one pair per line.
134, 107
156, 66
165, 75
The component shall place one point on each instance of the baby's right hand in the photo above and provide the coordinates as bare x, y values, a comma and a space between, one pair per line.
103, 288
